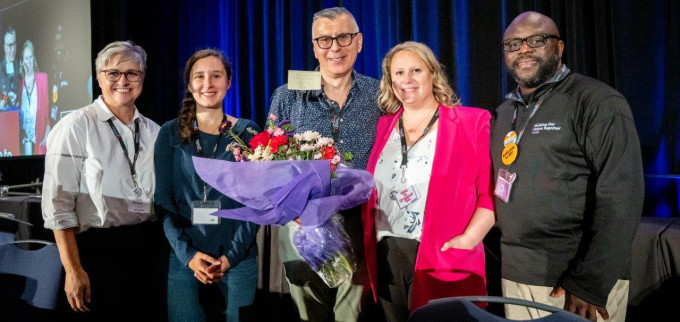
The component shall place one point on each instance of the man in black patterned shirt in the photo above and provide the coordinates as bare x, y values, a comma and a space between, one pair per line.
346, 110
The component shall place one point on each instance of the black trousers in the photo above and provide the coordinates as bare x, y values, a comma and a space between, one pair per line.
396, 264
127, 267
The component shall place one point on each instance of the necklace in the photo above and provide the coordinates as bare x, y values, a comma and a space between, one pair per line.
214, 130
204, 127
29, 92
416, 129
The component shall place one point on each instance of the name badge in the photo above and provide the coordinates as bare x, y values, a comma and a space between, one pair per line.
304, 80
504, 184
405, 196
201, 212
139, 206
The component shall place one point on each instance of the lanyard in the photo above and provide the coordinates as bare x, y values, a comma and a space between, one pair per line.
533, 112
335, 116
199, 151
132, 163
404, 147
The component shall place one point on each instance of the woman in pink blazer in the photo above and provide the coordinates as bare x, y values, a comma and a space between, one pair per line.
432, 204
35, 123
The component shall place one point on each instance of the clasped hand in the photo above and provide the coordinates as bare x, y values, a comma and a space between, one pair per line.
207, 269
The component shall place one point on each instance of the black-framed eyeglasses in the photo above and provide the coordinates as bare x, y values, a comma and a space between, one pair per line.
344, 40
534, 41
113, 75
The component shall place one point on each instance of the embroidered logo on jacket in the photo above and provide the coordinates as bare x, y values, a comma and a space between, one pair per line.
538, 127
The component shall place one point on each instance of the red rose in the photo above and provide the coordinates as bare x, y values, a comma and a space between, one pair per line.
261, 139
276, 141
328, 152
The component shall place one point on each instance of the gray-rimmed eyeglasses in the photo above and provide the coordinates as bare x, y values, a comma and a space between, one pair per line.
344, 40
113, 75
534, 41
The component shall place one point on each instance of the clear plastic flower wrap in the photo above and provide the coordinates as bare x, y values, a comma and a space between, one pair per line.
327, 249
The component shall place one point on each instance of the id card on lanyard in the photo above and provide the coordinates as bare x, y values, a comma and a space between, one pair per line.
137, 200
201, 210
403, 193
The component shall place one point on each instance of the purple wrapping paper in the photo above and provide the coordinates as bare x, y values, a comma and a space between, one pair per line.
276, 192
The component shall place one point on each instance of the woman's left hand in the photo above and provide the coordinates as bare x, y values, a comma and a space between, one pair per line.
224, 263
460, 242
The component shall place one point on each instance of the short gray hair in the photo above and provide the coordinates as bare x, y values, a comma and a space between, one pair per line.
127, 50
333, 13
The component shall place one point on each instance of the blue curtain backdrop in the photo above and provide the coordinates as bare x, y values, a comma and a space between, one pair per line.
631, 45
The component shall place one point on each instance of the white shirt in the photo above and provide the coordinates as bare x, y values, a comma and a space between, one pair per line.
390, 219
87, 177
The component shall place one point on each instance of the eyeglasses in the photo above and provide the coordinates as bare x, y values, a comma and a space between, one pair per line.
534, 41
343, 40
113, 75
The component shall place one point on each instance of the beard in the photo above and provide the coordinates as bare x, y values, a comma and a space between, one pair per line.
546, 69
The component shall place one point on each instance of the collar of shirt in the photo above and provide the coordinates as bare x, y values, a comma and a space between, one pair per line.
104, 113
559, 75
319, 93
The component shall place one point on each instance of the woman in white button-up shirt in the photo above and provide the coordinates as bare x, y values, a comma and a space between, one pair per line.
98, 191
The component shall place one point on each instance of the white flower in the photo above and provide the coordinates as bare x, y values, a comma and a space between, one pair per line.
311, 135
335, 159
318, 156
267, 154
306, 147
257, 154
324, 141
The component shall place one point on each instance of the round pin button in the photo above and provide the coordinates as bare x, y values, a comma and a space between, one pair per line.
511, 137
509, 153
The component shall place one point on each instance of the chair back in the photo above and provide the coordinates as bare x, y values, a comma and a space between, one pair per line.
41, 268
464, 309
6, 237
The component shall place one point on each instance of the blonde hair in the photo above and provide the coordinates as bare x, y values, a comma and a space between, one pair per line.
443, 93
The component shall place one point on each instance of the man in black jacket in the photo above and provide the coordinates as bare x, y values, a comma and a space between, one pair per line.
569, 180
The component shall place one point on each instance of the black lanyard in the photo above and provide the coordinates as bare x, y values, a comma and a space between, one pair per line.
132, 163
533, 112
199, 151
335, 116
404, 147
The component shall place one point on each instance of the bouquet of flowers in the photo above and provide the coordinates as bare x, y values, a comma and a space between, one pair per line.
303, 182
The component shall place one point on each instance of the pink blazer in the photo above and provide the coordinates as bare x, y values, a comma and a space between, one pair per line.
461, 182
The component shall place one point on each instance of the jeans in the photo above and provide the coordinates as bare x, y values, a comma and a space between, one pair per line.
186, 295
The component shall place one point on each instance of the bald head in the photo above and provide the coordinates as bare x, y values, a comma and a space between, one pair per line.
532, 50
531, 20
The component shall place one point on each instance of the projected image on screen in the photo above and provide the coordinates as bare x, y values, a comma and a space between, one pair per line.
45, 69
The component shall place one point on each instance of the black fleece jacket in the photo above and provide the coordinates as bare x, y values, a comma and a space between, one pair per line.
577, 200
